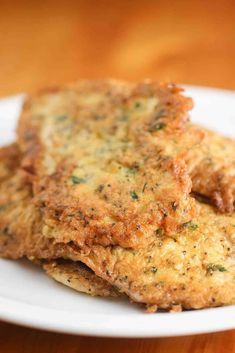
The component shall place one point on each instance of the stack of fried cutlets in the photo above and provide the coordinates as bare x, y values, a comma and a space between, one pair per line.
113, 191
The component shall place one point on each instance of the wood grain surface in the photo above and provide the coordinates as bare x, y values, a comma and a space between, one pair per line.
21, 340
52, 42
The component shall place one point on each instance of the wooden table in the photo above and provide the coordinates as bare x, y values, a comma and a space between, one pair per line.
17, 339
52, 42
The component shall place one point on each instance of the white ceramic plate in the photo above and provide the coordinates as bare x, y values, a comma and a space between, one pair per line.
30, 298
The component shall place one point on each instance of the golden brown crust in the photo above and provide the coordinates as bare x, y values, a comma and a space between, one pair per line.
62, 218
193, 268
212, 168
9, 161
78, 276
113, 157
20, 220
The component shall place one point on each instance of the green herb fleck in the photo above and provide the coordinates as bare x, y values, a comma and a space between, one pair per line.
153, 269
134, 195
100, 188
77, 180
61, 118
124, 117
6, 231
157, 127
134, 169
214, 267
3, 207
137, 104
159, 232
98, 117
190, 225
144, 187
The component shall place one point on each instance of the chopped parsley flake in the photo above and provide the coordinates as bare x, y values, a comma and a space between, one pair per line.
124, 117
100, 188
134, 195
157, 127
214, 267
77, 180
153, 269
61, 118
144, 187
159, 232
3, 207
137, 104
134, 169
190, 225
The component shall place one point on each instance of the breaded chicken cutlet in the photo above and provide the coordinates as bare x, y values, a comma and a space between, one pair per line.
19, 222
106, 162
19, 218
193, 268
9, 161
100, 179
78, 276
212, 169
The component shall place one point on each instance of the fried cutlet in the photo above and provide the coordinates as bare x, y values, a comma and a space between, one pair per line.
212, 168
78, 276
19, 221
9, 161
106, 160
194, 268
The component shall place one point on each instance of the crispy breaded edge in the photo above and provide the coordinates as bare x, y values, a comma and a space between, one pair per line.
174, 103
72, 274
211, 178
79, 277
9, 160
176, 106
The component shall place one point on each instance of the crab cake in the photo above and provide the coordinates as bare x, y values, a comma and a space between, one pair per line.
212, 168
106, 161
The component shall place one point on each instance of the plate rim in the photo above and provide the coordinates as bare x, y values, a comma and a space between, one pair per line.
33, 317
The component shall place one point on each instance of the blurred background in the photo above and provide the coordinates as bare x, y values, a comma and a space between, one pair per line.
52, 42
